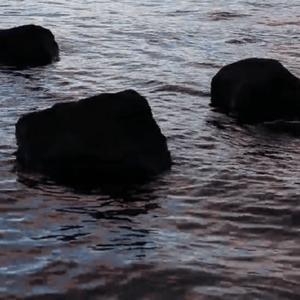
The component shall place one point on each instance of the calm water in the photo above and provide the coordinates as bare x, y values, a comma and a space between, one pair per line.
223, 224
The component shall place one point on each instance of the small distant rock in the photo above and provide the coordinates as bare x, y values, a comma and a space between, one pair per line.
27, 46
110, 137
256, 90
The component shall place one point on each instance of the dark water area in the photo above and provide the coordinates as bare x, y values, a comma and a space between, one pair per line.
224, 223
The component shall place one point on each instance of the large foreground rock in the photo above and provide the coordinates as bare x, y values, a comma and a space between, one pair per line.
106, 138
256, 90
26, 46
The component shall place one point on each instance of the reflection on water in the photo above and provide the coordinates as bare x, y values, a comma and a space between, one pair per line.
223, 224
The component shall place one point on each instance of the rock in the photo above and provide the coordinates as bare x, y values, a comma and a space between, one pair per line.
27, 46
110, 137
256, 90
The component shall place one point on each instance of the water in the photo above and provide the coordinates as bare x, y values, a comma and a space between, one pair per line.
223, 224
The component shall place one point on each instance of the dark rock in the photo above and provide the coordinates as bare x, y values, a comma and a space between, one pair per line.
26, 46
256, 90
107, 138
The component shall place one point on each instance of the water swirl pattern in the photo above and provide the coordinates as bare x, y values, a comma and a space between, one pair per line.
224, 223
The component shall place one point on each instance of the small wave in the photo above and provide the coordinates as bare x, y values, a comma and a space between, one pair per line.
182, 90
225, 15
246, 40
282, 23
206, 65
179, 12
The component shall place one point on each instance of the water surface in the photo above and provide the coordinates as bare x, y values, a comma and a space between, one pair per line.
223, 224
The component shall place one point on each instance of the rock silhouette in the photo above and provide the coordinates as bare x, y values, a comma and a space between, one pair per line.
256, 90
110, 137
27, 46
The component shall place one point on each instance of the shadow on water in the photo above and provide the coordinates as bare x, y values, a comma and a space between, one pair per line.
125, 191
119, 210
138, 282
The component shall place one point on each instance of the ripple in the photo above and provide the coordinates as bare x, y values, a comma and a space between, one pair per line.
181, 90
225, 15
245, 40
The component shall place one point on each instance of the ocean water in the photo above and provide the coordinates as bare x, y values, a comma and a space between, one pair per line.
224, 223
